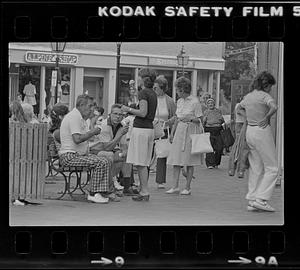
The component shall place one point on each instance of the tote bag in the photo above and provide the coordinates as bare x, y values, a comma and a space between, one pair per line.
201, 143
163, 146
158, 128
227, 137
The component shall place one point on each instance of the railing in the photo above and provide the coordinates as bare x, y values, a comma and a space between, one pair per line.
27, 160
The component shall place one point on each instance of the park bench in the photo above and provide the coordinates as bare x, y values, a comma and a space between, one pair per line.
66, 171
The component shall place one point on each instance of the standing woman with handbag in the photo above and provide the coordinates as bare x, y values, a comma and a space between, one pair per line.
263, 170
165, 113
142, 136
187, 122
212, 122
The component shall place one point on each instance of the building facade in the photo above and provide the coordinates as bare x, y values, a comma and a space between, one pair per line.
91, 68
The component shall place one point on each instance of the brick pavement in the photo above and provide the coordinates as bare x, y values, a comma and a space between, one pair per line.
217, 199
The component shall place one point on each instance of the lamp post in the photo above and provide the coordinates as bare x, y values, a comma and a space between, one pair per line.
182, 59
118, 70
57, 47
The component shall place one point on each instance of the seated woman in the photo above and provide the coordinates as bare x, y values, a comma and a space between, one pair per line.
16, 112
29, 114
57, 114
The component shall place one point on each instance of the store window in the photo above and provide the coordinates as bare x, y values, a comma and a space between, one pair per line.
29, 85
168, 74
63, 93
126, 75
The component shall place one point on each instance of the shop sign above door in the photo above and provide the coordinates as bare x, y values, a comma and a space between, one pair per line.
50, 58
167, 62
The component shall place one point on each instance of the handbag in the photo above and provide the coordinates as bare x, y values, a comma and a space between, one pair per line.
201, 143
162, 147
158, 129
227, 137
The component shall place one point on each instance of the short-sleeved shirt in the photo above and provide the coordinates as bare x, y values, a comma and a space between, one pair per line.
73, 123
108, 131
189, 106
256, 104
214, 118
147, 122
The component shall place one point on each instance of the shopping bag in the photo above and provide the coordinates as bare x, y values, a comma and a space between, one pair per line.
162, 148
227, 137
158, 130
201, 143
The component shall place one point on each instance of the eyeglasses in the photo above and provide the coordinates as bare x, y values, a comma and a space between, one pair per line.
117, 114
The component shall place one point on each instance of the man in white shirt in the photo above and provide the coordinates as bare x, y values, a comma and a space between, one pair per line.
74, 149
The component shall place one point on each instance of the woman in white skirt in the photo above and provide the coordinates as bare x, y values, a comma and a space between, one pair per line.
263, 170
188, 118
142, 137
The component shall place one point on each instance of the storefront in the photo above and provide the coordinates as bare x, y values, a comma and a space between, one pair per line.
86, 70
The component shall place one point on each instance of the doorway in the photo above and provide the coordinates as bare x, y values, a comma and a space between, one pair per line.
93, 86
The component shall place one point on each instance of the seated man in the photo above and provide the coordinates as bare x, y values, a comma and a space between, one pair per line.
111, 142
74, 150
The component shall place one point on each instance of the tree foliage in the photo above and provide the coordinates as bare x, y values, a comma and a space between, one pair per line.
237, 66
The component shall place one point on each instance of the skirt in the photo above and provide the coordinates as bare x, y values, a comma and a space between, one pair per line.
180, 153
140, 146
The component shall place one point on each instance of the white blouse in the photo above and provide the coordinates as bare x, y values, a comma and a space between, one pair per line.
189, 106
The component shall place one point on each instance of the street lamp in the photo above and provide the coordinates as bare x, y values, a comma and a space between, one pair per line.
57, 47
182, 59
118, 69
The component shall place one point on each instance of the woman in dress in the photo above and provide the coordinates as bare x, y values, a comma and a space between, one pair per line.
165, 113
263, 170
188, 114
142, 137
212, 122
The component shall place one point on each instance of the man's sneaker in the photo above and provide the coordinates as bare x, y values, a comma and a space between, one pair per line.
250, 207
161, 186
97, 198
130, 192
117, 185
173, 191
113, 197
263, 205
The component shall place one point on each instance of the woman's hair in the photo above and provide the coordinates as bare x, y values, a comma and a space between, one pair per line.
262, 80
57, 110
162, 82
184, 84
28, 111
17, 112
148, 75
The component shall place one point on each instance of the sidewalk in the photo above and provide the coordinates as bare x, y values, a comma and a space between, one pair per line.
217, 199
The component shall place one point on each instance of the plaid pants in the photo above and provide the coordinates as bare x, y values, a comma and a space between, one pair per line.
100, 169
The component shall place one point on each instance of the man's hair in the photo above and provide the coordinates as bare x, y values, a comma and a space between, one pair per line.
162, 82
262, 80
83, 100
184, 84
116, 105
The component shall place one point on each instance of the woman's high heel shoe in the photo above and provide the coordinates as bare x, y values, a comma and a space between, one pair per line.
140, 197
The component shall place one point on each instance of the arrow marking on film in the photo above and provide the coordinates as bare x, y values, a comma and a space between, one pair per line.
241, 260
103, 261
